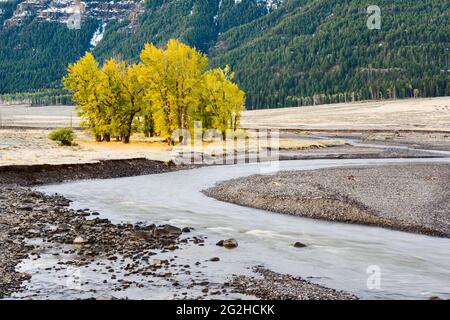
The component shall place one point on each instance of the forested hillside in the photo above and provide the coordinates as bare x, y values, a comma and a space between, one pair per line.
324, 48
284, 52
35, 55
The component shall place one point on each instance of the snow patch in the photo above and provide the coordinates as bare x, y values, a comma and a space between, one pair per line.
98, 35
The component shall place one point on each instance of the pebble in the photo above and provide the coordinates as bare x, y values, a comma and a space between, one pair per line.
79, 240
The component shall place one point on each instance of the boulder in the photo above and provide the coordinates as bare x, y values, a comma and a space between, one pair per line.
167, 230
142, 235
33, 232
156, 263
230, 243
298, 245
25, 275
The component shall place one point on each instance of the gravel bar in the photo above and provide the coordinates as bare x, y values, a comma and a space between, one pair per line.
277, 286
412, 197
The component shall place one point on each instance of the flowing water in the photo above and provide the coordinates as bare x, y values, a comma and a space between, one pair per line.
338, 255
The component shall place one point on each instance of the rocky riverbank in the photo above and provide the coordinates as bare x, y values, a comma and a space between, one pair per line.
35, 226
27, 215
275, 286
412, 197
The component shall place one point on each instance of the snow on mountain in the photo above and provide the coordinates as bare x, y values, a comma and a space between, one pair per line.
98, 35
62, 10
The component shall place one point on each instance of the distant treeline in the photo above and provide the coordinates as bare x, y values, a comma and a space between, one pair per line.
45, 97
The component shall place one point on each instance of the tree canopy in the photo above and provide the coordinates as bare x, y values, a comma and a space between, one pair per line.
167, 90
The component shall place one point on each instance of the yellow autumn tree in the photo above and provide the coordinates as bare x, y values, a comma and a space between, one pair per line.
168, 90
134, 102
82, 79
122, 95
223, 98
174, 81
111, 97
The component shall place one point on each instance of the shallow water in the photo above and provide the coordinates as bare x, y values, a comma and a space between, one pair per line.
338, 255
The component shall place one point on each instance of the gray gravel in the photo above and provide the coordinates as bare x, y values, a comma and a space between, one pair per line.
276, 286
413, 197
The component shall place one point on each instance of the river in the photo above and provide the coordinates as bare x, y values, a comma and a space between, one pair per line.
338, 255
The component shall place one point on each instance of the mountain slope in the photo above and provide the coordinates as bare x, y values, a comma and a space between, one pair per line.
325, 47
285, 52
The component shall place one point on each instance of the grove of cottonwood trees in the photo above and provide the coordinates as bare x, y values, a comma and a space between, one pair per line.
167, 90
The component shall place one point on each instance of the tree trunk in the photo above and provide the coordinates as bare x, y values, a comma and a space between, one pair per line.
129, 128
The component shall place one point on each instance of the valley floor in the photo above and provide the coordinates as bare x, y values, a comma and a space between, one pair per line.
404, 197
31, 146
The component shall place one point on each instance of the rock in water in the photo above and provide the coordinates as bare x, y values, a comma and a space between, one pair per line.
172, 230
230, 243
156, 263
142, 235
33, 232
167, 230
299, 245
220, 243
25, 275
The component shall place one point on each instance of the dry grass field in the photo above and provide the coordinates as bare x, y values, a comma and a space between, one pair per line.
32, 146
19, 145
410, 114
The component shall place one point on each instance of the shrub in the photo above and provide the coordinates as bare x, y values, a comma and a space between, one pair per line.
64, 136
